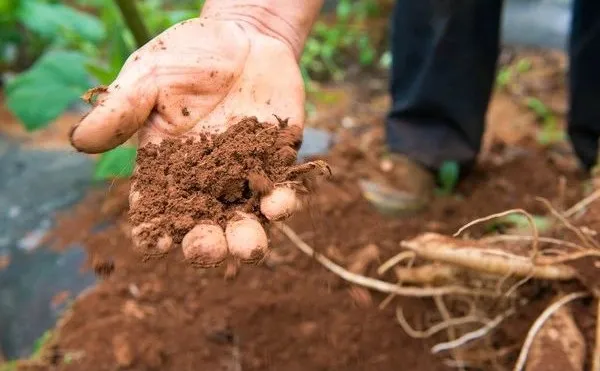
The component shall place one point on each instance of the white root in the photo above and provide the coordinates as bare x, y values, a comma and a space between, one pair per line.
469, 254
427, 274
539, 322
517, 238
435, 328
372, 283
473, 335
582, 204
534, 230
394, 260
586, 240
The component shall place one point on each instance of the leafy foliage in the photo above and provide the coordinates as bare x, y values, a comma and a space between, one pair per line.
51, 20
327, 44
551, 132
116, 163
42, 93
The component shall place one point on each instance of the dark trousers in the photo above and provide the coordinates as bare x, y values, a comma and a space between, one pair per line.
444, 56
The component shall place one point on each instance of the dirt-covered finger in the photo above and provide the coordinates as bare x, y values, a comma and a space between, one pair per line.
246, 238
281, 203
205, 245
118, 112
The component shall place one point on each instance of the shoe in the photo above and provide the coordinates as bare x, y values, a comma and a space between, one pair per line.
400, 186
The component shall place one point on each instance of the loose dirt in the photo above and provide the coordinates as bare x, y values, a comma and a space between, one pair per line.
210, 179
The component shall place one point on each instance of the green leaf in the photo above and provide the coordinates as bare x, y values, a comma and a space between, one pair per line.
39, 344
521, 222
523, 65
550, 136
448, 175
343, 10
117, 163
538, 107
49, 20
504, 77
46, 90
104, 74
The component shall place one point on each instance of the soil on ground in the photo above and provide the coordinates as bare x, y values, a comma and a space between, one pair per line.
290, 313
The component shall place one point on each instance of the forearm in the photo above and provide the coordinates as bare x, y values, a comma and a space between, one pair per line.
288, 20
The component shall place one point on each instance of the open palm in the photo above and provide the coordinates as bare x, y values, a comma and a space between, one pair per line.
200, 76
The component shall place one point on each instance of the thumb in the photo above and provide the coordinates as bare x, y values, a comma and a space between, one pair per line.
119, 112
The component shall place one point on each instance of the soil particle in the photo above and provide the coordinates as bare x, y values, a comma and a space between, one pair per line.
183, 183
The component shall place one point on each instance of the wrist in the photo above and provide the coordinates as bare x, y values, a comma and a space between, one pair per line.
287, 21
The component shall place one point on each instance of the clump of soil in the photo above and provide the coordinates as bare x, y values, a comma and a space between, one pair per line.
180, 184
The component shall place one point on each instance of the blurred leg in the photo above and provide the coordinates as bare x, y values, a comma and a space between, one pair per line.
444, 55
584, 80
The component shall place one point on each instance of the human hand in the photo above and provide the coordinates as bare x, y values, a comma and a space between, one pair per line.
199, 77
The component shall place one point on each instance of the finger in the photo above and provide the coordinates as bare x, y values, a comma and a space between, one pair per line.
119, 112
281, 203
149, 240
205, 245
247, 239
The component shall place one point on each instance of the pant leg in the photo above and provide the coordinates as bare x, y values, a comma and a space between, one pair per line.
584, 80
444, 55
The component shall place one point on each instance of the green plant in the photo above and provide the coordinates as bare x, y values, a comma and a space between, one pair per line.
519, 222
74, 51
325, 48
507, 73
551, 132
448, 176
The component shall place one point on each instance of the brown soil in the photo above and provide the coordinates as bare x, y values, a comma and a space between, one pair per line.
210, 179
289, 313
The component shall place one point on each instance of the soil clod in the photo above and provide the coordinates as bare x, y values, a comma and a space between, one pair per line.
184, 183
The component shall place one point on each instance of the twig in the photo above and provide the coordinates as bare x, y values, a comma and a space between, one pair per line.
435, 328
372, 283
473, 335
134, 21
590, 242
596, 356
582, 204
534, 230
539, 322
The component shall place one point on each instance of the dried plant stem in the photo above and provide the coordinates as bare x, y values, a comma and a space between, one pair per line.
539, 322
372, 283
